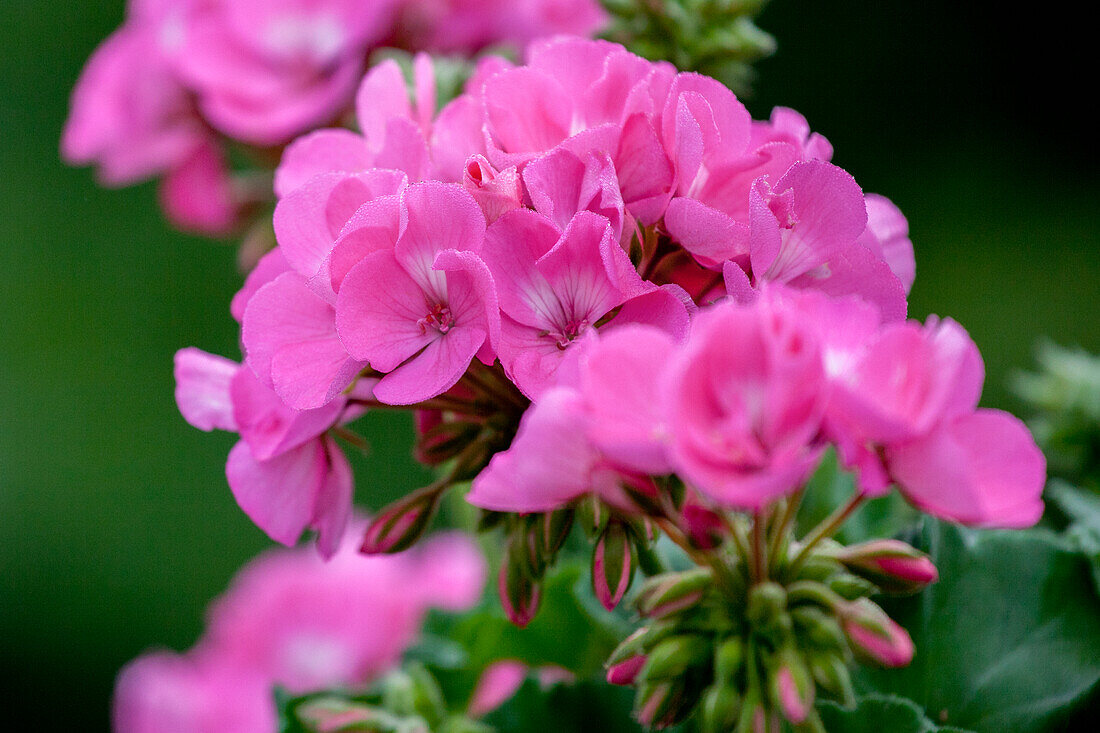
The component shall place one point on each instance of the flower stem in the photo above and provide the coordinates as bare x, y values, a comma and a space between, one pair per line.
827, 528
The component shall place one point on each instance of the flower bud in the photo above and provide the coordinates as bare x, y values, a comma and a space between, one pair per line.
767, 602
625, 672
495, 192
640, 642
874, 635
658, 704
850, 587
729, 657
520, 593
555, 529
817, 628
401, 523
705, 528
612, 566
892, 565
669, 593
719, 708
791, 686
441, 441
830, 671
675, 655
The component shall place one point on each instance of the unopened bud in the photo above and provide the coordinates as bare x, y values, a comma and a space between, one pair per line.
625, 672
674, 656
767, 601
657, 704
330, 714
729, 658
791, 686
754, 716
720, 705
850, 587
669, 593
495, 192
818, 628
892, 565
555, 529
830, 671
640, 642
612, 565
705, 528
520, 594
441, 441
401, 523
874, 635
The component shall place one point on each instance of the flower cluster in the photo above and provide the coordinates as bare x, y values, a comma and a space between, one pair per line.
294, 622
607, 292
183, 82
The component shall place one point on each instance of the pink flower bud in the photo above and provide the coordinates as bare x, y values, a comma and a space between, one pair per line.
495, 192
874, 635
402, 523
670, 593
705, 529
519, 594
625, 672
892, 565
612, 566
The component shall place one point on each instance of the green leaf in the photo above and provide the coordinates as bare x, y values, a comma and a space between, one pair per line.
830, 486
878, 713
1007, 640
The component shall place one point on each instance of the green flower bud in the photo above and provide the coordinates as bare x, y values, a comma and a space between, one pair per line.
729, 658
672, 657
670, 593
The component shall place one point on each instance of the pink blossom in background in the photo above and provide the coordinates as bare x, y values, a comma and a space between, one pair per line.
290, 619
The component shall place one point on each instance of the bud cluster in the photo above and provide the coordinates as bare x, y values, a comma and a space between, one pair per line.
745, 655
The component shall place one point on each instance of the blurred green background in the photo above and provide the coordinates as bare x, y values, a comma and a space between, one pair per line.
116, 526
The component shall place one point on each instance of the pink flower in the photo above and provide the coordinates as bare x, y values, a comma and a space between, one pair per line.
745, 398
465, 26
165, 692
285, 472
265, 71
905, 410
805, 231
502, 679
197, 195
308, 624
291, 620
421, 308
598, 427
129, 113
553, 287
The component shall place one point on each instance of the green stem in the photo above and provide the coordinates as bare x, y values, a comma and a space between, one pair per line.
759, 569
827, 528
790, 511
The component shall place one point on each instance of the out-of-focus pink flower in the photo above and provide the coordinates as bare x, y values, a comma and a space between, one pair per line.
465, 26
291, 620
130, 115
745, 399
265, 71
197, 195
421, 309
165, 692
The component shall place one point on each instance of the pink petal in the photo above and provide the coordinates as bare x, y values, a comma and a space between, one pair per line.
321, 151
378, 312
268, 426
278, 494
709, 235
270, 266
202, 389
382, 95
549, 463
332, 507
198, 193
982, 469
290, 339
434, 370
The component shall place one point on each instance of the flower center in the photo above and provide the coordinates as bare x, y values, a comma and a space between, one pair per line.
439, 318
568, 333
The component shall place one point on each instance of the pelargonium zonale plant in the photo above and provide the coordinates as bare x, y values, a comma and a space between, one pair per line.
632, 325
